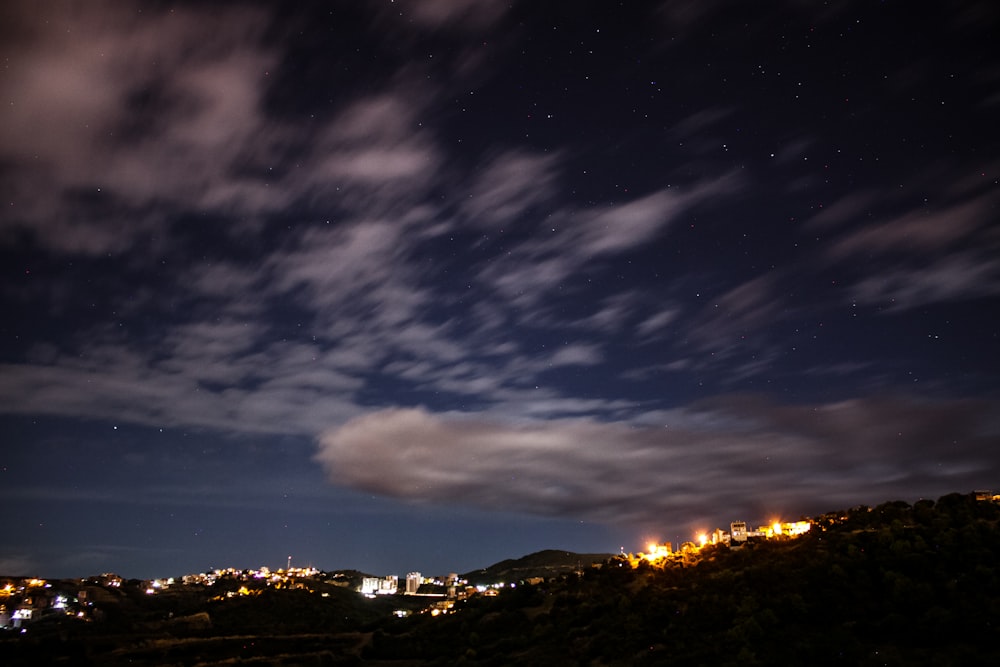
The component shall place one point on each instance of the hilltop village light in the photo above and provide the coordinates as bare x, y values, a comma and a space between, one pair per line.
738, 536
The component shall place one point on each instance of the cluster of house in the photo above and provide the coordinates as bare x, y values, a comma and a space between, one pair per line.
23, 600
263, 574
451, 586
447, 591
739, 534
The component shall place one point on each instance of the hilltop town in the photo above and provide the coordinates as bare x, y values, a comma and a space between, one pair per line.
27, 599
24, 600
854, 582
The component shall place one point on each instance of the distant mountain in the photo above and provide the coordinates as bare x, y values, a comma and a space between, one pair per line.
547, 563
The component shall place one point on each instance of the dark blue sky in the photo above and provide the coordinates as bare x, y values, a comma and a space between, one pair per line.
426, 285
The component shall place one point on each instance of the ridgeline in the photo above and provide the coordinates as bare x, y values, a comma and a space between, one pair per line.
891, 585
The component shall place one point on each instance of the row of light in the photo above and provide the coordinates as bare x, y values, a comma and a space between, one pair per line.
777, 528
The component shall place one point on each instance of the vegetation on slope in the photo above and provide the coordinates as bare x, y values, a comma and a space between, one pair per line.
891, 585
546, 564
894, 585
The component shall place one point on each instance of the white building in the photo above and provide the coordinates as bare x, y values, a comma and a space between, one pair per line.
413, 581
738, 531
387, 585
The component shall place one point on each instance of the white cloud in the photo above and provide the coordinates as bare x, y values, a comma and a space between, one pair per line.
919, 231
612, 314
699, 121
955, 277
576, 355
742, 455
508, 186
656, 322
744, 310
848, 209
571, 239
466, 15
627, 225
377, 165
119, 110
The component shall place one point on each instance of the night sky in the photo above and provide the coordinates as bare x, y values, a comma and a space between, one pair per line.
425, 285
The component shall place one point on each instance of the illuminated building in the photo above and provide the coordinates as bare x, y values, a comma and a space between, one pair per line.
19, 617
413, 581
658, 551
738, 531
788, 529
372, 586
796, 528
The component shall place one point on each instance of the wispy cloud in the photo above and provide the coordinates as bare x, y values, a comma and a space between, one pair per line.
738, 315
571, 239
956, 277
851, 208
510, 185
463, 15
920, 231
928, 255
161, 109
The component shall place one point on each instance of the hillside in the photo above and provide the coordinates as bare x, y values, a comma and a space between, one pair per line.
891, 585
544, 564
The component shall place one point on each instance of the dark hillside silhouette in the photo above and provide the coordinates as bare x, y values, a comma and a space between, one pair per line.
894, 584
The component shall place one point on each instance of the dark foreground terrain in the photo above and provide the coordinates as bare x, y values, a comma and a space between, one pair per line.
891, 585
